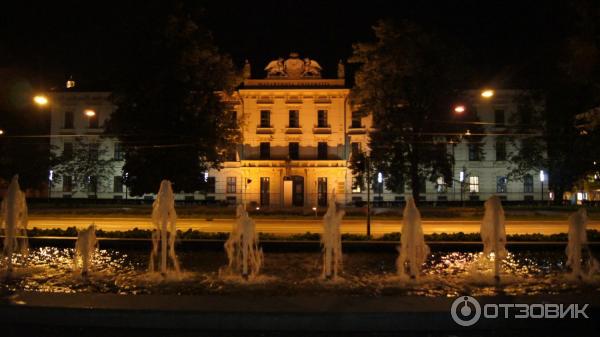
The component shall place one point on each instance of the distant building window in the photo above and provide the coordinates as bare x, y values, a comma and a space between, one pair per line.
473, 152
294, 119
501, 184
93, 121
265, 150
322, 150
265, 187
294, 150
322, 118
118, 151
69, 120
230, 184
118, 184
499, 118
210, 185
67, 183
528, 183
355, 149
265, 119
474, 184
67, 151
356, 120
440, 185
500, 150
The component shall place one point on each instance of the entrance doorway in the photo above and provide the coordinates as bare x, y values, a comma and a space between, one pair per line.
298, 191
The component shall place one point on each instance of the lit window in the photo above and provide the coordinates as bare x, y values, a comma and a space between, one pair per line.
501, 184
230, 184
440, 185
474, 184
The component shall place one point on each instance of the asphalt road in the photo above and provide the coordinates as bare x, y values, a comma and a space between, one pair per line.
287, 227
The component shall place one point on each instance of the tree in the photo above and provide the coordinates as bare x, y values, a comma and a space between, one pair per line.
88, 164
170, 116
409, 80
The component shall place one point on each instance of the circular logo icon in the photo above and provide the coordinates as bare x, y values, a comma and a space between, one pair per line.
465, 311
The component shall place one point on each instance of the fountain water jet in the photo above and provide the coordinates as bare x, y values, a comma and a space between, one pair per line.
578, 241
413, 249
14, 222
332, 240
164, 218
493, 233
242, 246
84, 249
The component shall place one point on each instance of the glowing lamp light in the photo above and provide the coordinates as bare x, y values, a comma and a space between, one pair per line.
459, 109
314, 209
1, 132
468, 133
542, 177
487, 93
257, 208
51, 175
40, 100
379, 177
461, 176
89, 113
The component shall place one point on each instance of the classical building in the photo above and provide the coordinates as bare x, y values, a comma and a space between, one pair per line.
299, 132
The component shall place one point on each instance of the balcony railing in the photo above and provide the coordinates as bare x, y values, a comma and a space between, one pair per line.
264, 129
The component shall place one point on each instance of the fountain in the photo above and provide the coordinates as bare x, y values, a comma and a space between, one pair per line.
493, 233
14, 222
164, 219
413, 250
84, 249
578, 241
332, 240
242, 246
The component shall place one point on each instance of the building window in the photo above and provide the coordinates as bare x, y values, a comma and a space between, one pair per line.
322, 118
355, 146
67, 183
528, 183
264, 191
265, 119
233, 117
499, 118
69, 120
93, 121
356, 120
118, 184
294, 119
265, 150
210, 184
294, 150
118, 151
92, 184
473, 152
500, 150
440, 185
322, 150
501, 184
230, 184
474, 184
322, 191
356, 187
67, 151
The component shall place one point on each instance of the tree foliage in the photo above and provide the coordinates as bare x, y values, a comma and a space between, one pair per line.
409, 80
170, 116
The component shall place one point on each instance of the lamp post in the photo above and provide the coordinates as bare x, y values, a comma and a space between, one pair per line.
380, 187
461, 178
368, 166
542, 178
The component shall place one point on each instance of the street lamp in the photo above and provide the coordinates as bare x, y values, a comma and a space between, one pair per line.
1, 132
461, 178
380, 187
542, 178
459, 109
487, 93
89, 113
40, 100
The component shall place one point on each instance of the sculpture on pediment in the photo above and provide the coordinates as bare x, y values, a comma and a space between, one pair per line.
276, 68
311, 68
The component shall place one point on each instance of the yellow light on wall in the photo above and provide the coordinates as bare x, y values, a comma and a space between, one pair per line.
487, 93
40, 100
89, 113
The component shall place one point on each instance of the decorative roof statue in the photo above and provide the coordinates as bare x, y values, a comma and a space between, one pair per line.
311, 68
276, 68
341, 70
294, 66
247, 71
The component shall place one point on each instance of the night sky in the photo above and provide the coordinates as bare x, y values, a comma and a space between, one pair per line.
46, 42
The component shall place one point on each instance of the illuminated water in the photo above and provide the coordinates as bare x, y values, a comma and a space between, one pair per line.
446, 274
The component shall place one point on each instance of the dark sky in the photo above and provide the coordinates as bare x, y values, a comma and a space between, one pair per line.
51, 40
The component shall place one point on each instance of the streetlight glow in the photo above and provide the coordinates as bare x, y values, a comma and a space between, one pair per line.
487, 93
89, 112
1, 132
459, 109
542, 177
40, 100
379, 177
